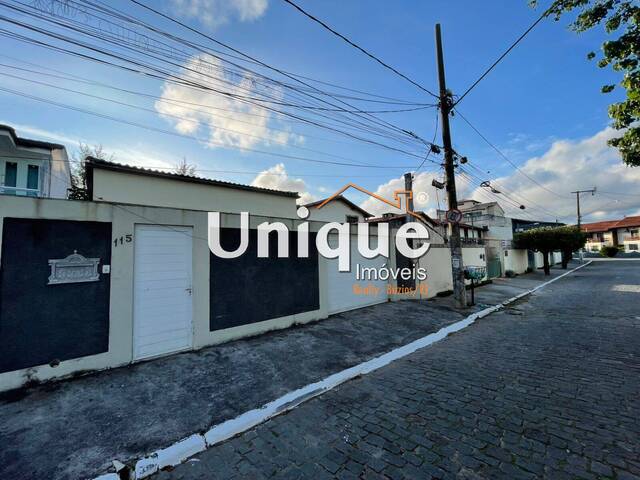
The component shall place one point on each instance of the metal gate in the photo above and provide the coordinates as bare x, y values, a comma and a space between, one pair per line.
494, 269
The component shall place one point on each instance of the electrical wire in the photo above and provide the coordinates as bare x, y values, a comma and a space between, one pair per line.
340, 131
92, 48
507, 159
435, 134
197, 169
358, 47
201, 140
513, 45
263, 64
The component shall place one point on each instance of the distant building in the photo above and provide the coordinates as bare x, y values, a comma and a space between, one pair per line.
489, 217
624, 233
521, 225
32, 168
340, 210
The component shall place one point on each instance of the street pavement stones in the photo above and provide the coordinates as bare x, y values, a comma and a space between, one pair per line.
126, 413
552, 392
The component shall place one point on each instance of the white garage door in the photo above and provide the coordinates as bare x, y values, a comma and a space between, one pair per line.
341, 284
162, 306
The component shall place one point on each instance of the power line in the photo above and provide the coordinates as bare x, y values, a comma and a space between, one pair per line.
435, 133
263, 64
206, 141
162, 99
192, 120
358, 47
154, 70
486, 140
340, 131
518, 196
197, 169
83, 30
513, 45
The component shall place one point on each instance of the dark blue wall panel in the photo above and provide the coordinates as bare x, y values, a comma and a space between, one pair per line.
40, 323
249, 289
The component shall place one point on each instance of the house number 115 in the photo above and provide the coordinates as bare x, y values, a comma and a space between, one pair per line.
123, 239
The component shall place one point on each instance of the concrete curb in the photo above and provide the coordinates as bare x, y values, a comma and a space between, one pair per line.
196, 443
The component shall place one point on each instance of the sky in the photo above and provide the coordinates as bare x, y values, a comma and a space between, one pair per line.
541, 107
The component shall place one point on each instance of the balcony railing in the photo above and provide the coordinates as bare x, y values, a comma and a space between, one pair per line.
19, 191
472, 241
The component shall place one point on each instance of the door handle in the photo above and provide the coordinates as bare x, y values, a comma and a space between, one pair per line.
189, 290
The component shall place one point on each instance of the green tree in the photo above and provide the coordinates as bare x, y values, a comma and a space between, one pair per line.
544, 240
621, 20
78, 190
570, 239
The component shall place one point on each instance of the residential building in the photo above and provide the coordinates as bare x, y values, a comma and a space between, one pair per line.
624, 233
488, 216
32, 168
521, 225
339, 209
128, 274
497, 232
628, 234
114, 182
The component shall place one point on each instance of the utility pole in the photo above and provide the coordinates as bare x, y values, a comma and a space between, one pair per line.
457, 269
408, 187
578, 192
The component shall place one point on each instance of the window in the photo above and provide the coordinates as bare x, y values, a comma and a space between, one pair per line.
634, 233
633, 246
506, 253
32, 180
352, 219
10, 176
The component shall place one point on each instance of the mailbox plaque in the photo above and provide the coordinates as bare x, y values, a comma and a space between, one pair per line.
74, 269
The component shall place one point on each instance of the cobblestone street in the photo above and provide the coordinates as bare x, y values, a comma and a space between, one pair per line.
549, 388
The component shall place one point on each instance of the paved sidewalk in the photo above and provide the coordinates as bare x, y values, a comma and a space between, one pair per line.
534, 391
74, 429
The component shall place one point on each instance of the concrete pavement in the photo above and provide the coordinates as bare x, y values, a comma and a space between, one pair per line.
548, 388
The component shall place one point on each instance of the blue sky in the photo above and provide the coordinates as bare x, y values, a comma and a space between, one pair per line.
541, 106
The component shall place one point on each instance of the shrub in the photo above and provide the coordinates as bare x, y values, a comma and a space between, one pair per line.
608, 251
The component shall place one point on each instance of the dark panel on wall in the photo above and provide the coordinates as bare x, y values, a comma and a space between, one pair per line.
249, 289
404, 262
39, 322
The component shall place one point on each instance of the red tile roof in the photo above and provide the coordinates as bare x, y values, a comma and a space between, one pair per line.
629, 222
611, 224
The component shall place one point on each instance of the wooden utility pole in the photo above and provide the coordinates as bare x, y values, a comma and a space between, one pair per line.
408, 187
457, 268
578, 192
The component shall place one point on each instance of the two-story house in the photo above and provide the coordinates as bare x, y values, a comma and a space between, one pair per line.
624, 233
31, 167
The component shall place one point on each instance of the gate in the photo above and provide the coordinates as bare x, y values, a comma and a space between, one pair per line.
494, 268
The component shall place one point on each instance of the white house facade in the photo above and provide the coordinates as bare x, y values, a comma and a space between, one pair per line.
32, 168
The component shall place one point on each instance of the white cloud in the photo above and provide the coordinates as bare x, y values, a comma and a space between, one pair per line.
213, 13
566, 166
276, 178
570, 165
229, 121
